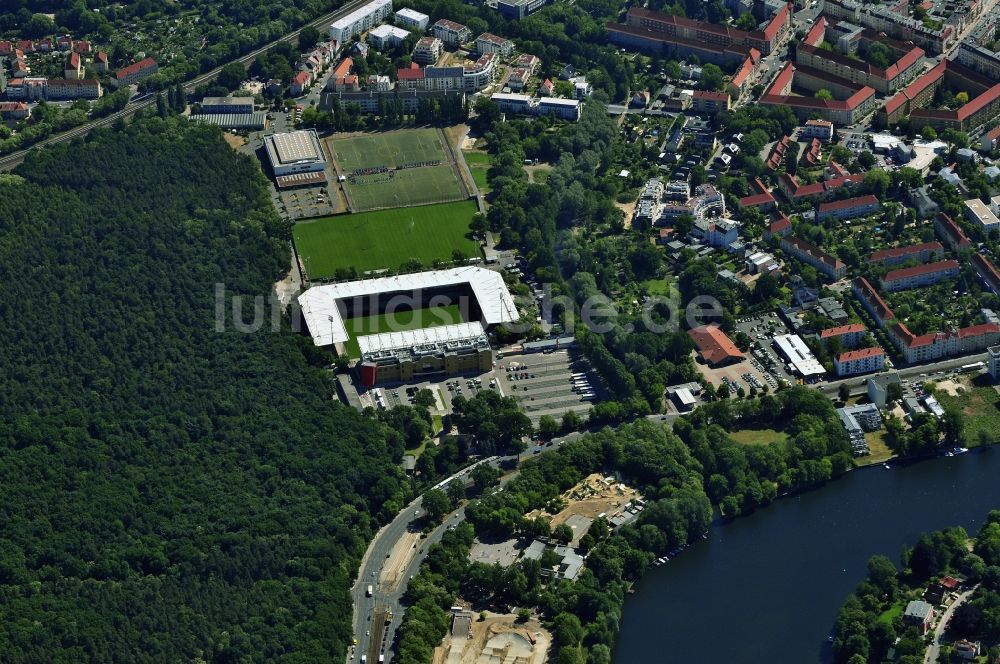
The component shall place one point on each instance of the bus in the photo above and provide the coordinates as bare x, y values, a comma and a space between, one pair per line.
975, 366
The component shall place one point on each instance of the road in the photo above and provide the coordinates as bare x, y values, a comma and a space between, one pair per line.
935, 647
11, 160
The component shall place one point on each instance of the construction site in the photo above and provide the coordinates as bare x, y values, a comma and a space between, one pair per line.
595, 496
499, 639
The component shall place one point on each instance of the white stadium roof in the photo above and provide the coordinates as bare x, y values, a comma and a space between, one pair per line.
389, 341
319, 303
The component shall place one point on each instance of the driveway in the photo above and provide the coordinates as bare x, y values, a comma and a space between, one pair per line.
934, 648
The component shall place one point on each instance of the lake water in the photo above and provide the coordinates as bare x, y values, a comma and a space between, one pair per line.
766, 588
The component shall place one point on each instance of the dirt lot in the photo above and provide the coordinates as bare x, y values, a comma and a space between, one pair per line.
951, 386
399, 558
496, 640
590, 498
235, 142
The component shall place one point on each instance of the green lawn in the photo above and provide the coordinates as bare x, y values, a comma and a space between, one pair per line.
876, 445
479, 163
388, 148
758, 436
414, 319
385, 239
980, 404
412, 186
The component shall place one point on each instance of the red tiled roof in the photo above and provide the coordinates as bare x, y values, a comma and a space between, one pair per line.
344, 68
713, 344
896, 252
779, 225
860, 354
918, 270
847, 203
870, 295
841, 330
709, 94
135, 67
977, 330
953, 231
302, 78
804, 247
987, 270
757, 199
410, 74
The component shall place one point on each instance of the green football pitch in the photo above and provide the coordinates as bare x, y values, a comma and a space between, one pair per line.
388, 148
385, 239
413, 319
393, 188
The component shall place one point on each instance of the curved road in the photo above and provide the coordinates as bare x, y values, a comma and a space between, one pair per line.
13, 159
934, 649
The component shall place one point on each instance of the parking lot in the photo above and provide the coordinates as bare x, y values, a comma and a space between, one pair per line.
549, 383
763, 357
306, 202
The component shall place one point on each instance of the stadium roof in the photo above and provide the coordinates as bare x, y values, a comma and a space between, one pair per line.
390, 341
255, 120
323, 316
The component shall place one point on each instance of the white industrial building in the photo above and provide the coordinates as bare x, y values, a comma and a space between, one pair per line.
798, 355
363, 18
324, 313
412, 19
387, 36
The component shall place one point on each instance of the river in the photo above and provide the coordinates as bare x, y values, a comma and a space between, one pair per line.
765, 589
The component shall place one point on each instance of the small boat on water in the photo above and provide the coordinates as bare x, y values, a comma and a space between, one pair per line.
886, 466
961, 450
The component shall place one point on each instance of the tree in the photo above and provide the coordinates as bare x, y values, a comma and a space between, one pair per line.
843, 393
563, 533
437, 503
484, 476
548, 427
877, 182
571, 421
866, 160
928, 133
893, 392
424, 398
308, 37
712, 78
232, 75
962, 98
824, 94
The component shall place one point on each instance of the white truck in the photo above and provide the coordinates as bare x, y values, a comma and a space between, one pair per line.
368, 592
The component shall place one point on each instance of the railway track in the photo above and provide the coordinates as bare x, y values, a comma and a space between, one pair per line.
11, 160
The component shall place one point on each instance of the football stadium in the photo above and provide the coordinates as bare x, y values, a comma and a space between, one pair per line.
411, 325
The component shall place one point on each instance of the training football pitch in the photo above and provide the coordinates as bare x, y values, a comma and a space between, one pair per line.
385, 239
413, 319
429, 176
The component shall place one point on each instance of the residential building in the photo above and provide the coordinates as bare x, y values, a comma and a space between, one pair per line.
779, 228
950, 233
988, 141
796, 192
885, 18
300, 83
227, 105
14, 110
74, 66
920, 275
490, 43
821, 129
920, 614
922, 203
966, 650
518, 79
566, 109
857, 420
384, 36
878, 388
993, 362
719, 233
923, 253
714, 347
517, 9
865, 360
58, 88
101, 63
913, 99
411, 19
850, 103
707, 101
427, 50
987, 272
135, 72
761, 263
979, 213
370, 101
361, 19
831, 266
451, 33
481, 73
529, 62
82, 47
848, 208
849, 336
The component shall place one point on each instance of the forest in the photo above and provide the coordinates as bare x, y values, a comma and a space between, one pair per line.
171, 491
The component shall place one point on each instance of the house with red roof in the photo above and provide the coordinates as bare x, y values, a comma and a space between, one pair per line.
922, 253
101, 63
849, 336
135, 72
74, 66
950, 233
987, 272
920, 275
779, 227
714, 347
300, 83
831, 266
862, 361
849, 208
410, 78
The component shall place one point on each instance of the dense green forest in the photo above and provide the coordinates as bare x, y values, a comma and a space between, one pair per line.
169, 492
